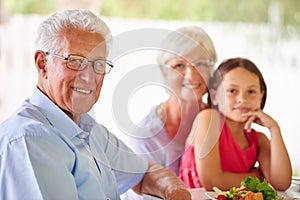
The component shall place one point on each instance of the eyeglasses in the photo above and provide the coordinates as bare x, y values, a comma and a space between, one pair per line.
78, 63
199, 65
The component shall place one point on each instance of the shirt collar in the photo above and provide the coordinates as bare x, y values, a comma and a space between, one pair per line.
56, 117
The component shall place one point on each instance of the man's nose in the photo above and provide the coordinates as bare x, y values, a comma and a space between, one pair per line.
87, 74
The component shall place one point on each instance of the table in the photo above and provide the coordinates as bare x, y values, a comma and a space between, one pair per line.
199, 194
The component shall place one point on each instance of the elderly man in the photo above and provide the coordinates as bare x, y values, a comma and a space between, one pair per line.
50, 148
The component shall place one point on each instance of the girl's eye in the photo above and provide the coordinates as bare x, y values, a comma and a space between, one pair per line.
252, 92
232, 91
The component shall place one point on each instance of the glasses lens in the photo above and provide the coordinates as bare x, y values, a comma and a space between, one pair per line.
100, 66
203, 63
77, 62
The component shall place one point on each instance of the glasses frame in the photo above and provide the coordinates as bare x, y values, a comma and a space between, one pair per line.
208, 65
108, 63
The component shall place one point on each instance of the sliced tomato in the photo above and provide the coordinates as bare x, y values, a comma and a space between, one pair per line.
241, 189
221, 197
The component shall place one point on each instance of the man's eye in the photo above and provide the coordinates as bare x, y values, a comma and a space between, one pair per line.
100, 64
76, 61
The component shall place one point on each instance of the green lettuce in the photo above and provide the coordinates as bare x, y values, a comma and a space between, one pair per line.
254, 185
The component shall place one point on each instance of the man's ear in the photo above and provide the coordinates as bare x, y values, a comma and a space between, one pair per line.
40, 62
212, 94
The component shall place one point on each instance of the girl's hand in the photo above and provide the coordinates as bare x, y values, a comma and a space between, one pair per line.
259, 117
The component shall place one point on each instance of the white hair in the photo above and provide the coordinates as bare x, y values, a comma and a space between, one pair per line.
50, 30
183, 41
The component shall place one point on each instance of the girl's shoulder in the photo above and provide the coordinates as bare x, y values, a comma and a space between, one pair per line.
206, 120
208, 113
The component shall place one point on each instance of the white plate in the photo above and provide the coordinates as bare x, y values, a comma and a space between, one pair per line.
149, 197
289, 196
213, 195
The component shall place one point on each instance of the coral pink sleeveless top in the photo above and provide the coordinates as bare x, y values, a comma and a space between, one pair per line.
233, 158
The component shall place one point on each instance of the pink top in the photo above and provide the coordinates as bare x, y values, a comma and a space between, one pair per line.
233, 158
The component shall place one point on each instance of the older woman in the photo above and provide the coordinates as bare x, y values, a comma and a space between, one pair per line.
186, 60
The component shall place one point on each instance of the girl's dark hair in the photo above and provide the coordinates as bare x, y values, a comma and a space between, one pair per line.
233, 63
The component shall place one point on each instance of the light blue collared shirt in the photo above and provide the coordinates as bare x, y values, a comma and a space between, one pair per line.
45, 155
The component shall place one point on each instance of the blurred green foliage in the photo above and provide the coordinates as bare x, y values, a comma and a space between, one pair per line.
256, 11
30, 6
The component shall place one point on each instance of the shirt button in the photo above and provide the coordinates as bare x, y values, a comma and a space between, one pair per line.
82, 136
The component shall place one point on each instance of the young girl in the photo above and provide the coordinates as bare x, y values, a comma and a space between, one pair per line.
222, 148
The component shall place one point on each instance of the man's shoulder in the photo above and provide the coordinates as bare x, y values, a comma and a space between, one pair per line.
26, 120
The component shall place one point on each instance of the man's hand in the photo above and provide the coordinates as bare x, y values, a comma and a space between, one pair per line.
177, 193
161, 182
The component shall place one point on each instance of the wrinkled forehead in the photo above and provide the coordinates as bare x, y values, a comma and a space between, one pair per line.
83, 43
